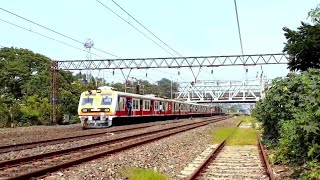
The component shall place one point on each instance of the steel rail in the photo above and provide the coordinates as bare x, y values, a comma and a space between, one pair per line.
265, 160
210, 157
121, 146
29, 145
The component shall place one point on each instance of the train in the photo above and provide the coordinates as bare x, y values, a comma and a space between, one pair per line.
105, 107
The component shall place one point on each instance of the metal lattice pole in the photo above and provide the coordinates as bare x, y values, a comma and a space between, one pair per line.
54, 87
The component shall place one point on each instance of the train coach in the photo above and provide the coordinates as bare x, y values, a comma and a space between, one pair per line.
105, 107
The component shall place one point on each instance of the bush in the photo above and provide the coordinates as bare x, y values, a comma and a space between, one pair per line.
290, 116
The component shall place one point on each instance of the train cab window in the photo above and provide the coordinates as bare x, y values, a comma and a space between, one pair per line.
135, 104
106, 101
146, 105
87, 101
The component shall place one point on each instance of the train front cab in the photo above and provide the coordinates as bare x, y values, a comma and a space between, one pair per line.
96, 109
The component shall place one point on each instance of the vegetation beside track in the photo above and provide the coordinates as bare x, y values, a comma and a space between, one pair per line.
290, 116
243, 136
220, 134
290, 112
144, 174
239, 136
25, 89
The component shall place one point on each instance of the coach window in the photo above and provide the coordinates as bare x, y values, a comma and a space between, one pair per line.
156, 105
146, 105
121, 104
135, 104
164, 105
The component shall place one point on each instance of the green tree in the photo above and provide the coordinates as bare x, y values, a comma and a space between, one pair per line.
164, 86
303, 47
314, 14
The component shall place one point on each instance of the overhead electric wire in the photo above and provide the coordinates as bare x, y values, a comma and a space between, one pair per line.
134, 27
146, 28
236, 8
75, 40
46, 36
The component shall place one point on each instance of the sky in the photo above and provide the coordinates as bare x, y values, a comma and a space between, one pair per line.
192, 28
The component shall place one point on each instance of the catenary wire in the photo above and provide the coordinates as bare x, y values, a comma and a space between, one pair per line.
145, 28
134, 27
75, 40
47, 36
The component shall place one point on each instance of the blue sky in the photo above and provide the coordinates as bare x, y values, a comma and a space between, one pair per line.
193, 28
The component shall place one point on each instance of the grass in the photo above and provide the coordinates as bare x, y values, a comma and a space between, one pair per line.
144, 174
219, 134
243, 136
247, 119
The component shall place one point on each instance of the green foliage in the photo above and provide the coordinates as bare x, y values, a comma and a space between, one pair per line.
303, 46
36, 110
144, 174
314, 14
311, 171
290, 115
25, 89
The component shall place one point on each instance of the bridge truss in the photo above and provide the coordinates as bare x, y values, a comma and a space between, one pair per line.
223, 91
171, 62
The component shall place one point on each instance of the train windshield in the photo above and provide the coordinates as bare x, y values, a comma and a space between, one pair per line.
87, 101
106, 101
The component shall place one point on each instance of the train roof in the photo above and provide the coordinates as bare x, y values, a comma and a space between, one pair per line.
142, 96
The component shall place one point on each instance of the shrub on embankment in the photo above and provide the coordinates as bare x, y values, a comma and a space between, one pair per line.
290, 114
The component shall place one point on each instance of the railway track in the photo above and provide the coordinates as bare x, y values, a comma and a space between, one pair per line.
41, 164
29, 145
232, 162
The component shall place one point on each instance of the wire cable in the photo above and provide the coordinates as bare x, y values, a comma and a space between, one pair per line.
236, 9
146, 28
134, 27
47, 36
75, 40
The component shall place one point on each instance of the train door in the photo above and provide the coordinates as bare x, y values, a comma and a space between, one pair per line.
141, 107
152, 107
121, 106
169, 108
127, 106
173, 108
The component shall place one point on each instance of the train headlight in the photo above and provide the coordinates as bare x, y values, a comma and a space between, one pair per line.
84, 110
107, 110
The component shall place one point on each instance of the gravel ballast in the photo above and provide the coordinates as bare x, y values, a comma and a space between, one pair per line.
169, 155
65, 145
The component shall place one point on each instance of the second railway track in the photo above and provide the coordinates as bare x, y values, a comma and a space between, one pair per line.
38, 165
29, 145
232, 162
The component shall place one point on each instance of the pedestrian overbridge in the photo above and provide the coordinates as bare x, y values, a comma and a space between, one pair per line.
249, 91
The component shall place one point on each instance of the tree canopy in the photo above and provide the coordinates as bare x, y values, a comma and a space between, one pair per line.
25, 88
303, 45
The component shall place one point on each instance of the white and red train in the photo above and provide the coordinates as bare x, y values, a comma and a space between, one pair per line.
105, 107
